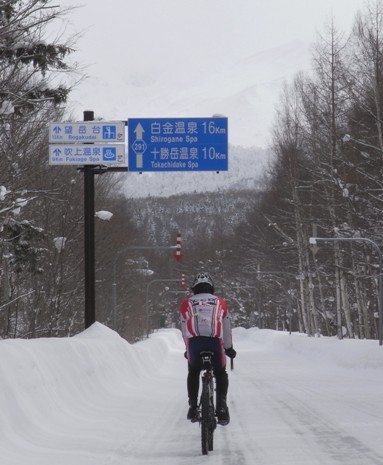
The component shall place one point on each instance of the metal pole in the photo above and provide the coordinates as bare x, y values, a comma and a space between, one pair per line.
89, 241
114, 296
313, 240
290, 311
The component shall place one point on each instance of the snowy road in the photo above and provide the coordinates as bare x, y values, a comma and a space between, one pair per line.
283, 412
96, 400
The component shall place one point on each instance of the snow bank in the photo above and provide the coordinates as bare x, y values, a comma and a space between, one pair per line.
41, 375
80, 400
152, 352
49, 387
346, 353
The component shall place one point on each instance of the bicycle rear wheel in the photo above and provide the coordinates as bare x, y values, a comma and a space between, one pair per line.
211, 427
206, 437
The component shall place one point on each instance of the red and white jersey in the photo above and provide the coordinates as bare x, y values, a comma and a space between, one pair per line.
206, 315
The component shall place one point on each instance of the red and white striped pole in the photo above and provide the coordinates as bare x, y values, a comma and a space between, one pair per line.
178, 247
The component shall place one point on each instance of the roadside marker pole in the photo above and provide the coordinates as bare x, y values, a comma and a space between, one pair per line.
178, 247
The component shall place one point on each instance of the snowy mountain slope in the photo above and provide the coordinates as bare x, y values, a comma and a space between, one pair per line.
94, 399
246, 91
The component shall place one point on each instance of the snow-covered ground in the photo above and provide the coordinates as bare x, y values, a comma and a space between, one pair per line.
94, 399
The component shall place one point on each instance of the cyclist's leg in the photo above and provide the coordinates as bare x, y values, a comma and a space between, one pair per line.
194, 365
193, 384
215, 345
193, 378
222, 383
219, 367
193, 387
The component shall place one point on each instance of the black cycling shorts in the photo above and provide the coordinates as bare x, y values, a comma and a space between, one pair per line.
197, 344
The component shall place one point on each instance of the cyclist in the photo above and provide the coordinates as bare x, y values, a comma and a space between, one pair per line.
205, 325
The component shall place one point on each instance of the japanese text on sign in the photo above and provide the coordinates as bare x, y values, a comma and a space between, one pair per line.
89, 131
86, 154
178, 145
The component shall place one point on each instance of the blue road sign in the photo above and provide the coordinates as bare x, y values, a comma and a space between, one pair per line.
87, 154
87, 131
178, 144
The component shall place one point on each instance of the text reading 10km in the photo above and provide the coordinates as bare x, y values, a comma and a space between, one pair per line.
211, 154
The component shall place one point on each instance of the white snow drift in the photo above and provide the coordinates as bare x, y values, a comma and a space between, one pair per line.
95, 399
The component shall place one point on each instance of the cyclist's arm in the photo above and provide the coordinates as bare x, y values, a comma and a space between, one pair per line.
226, 327
183, 318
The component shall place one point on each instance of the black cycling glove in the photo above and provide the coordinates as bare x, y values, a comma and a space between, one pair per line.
230, 352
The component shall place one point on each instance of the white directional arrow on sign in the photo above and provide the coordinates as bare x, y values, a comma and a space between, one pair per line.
139, 131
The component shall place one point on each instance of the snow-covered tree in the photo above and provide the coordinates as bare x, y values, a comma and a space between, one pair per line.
30, 95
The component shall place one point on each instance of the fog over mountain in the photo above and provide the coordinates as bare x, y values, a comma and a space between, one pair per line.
176, 58
247, 93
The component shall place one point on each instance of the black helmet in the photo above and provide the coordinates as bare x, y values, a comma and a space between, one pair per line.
203, 282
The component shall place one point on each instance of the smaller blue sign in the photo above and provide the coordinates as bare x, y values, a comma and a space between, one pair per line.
87, 131
173, 144
87, 154
109, 154
109, 132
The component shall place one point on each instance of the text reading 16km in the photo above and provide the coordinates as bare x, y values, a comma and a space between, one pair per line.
211, 128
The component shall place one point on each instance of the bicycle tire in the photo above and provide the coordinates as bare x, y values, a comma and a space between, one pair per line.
212, 420
205, 424
211, 429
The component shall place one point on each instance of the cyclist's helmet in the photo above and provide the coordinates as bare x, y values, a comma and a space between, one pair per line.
202, 283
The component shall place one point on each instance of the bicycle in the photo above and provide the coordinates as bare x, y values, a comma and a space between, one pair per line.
208, 422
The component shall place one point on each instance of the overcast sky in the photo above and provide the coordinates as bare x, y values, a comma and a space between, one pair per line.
142, 50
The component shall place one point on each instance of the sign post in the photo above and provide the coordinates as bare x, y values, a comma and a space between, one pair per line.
89, 241
161, 144
91, 144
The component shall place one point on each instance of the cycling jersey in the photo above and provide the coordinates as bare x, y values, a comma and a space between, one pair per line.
206, 315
